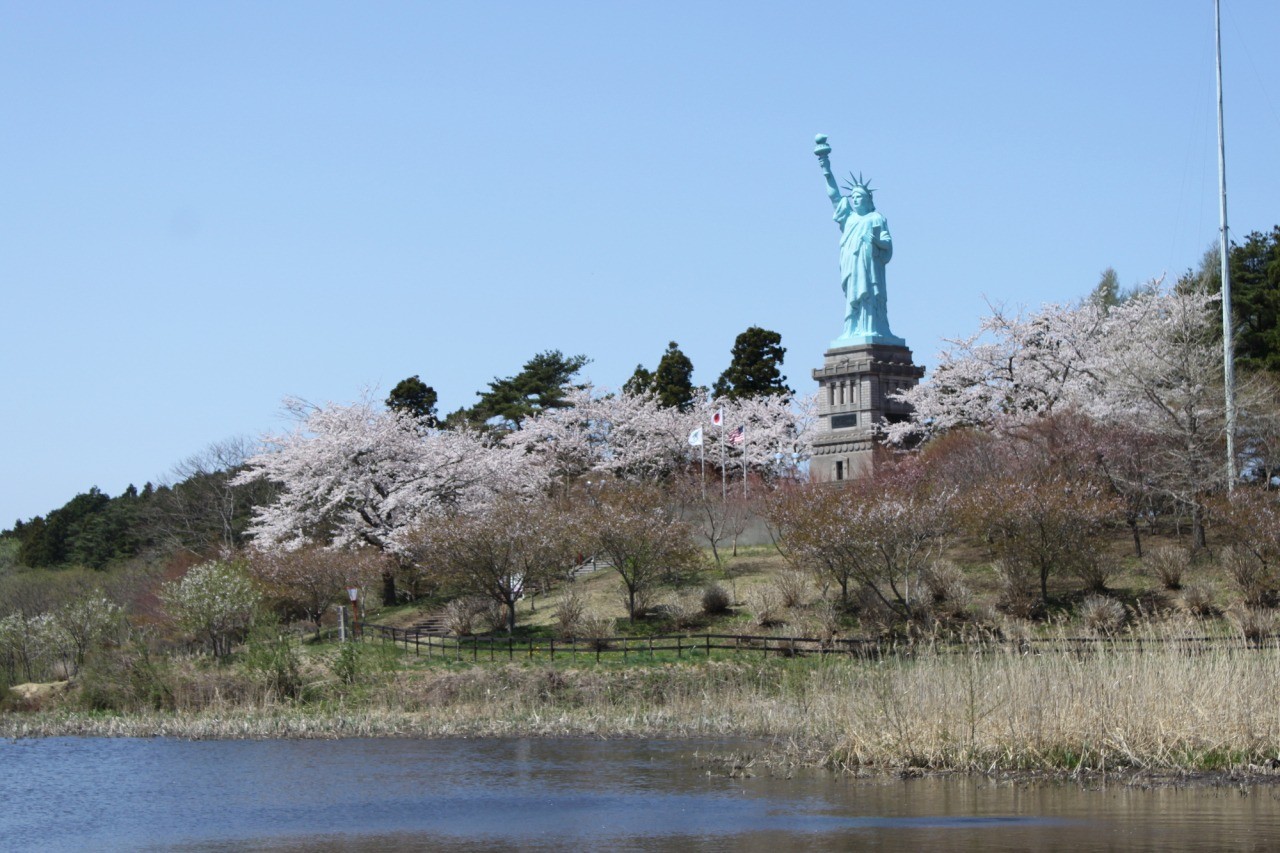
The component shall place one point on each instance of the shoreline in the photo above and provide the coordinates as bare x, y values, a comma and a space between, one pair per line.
742, 755
1158, 718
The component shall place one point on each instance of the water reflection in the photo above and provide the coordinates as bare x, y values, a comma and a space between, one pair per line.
528, 794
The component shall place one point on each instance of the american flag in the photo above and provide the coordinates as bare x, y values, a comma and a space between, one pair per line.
737, 436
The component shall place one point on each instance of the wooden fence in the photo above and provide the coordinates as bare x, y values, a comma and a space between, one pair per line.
493, 648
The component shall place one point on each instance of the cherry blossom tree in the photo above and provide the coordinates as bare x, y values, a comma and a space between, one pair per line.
310, 578
515, 545
878, 532
1149, 367
1016, 367
633, 436
361, 475
637, 529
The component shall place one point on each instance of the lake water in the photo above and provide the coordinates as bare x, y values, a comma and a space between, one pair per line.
558, 794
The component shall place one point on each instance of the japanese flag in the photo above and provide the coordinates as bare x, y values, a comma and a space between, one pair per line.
718, 418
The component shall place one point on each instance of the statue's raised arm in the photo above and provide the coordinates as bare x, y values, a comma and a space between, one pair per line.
823, 152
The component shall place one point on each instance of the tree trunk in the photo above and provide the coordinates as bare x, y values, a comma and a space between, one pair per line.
1137, 537
388, 588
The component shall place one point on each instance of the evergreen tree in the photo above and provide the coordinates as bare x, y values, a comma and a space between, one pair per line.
1107, 293
540, 385
641, 382
754, 366
673, 380
415, 397
1255, 296
1255, 300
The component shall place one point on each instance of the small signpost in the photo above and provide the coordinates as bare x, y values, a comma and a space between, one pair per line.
354, 594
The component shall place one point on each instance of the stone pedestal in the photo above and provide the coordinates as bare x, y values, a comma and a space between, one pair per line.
853, 385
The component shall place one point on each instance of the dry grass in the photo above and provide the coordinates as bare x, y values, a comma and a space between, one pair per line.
1163, 708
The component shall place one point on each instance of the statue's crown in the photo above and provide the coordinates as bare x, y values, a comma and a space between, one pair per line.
858, 183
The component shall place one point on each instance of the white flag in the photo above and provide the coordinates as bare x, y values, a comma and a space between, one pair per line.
718, 418
695, 437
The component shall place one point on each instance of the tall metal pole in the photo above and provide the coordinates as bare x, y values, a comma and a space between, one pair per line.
1228, 344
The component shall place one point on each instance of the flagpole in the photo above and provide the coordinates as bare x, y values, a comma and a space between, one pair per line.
724, 476
1228, 345
702, 462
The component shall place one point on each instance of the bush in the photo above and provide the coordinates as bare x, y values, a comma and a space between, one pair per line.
1252, 577
272, 660
792, 587
1101, 615
128, 678
596, 630
681, 611
463, 615
1094, 570
570, 613
1168, 564
214, 602
1255, 624
357, 662
1017, 594
1197, 600
765, 604
825, 623
944, 585
715, 599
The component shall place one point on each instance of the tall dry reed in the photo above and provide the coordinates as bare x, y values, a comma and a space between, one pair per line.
1169, 705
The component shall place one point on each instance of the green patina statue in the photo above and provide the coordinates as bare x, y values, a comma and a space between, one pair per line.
865, 248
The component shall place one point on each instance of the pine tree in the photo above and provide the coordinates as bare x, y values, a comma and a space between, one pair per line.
673, 380
754, 366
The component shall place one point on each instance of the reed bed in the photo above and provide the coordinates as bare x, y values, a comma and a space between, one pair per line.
1164, 708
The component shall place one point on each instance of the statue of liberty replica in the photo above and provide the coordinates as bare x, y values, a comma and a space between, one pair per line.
865, 248
868, 363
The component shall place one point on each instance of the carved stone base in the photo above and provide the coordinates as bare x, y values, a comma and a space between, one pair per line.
854, 384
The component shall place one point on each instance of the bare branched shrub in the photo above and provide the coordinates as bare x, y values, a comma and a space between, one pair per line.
1255, 624
1016, 630
642, 599
827, 622
570, 613
1197, 600
1094, 570
1168, 564
765, 605
944, 584
682, 611
875, 616
1101, 615
596, 630
493, 616
461, 616
715, 599
792, 587
1254, 579
1017, 595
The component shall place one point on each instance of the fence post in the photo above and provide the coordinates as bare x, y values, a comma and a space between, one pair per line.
553, 648
678, 653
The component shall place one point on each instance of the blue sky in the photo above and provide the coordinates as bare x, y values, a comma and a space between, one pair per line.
210, 206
